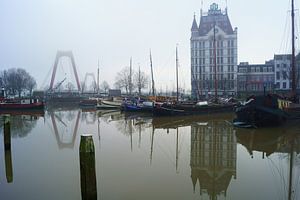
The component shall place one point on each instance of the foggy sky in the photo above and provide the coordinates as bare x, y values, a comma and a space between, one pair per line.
114, 30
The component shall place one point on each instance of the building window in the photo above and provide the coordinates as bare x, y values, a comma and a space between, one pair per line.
284, 85
277, 75
265, 69
270, 69
284, 75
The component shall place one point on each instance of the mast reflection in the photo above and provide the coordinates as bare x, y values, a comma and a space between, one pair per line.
213, 157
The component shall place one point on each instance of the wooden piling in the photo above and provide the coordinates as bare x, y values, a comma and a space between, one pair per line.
87, 168
7, 149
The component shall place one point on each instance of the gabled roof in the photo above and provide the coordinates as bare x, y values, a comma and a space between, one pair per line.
221, 20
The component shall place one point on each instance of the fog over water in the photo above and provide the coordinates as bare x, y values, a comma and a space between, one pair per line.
112, 31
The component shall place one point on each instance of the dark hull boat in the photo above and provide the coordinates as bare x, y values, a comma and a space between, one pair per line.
91, 103
181, 109
260, 111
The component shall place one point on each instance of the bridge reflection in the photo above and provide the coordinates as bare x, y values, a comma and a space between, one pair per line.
60, 139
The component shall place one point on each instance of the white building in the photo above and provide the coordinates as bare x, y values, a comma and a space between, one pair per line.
212, 50
282, 64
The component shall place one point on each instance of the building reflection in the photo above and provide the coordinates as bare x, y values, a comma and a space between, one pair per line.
283, 140
213, 157
269, 141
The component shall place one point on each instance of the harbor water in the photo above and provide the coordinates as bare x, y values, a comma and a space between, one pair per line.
134, 156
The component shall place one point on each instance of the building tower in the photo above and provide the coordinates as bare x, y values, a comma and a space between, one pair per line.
213, 46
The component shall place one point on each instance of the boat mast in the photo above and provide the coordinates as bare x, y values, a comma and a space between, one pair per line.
139, 81
177, 93
291, 171
293, 54
215, 63
130, 77
98, 78
153, 90
176, 150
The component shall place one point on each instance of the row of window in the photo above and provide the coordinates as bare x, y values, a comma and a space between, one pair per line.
255, 87
262, 78
282, 65
211, 76
208, 85
284, 85
220, 68
219, 43
219, 52
283, 75
219, 60
255, 69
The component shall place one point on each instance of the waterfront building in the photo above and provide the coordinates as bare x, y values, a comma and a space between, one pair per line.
213, 48
255, 78
213, 157
273, 76
282, 74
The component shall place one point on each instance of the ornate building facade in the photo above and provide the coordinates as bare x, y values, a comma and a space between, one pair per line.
213, 49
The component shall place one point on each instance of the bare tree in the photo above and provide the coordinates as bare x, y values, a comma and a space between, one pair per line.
140, 81
31, 84
15, 81
70, 86
104, 86
123, 80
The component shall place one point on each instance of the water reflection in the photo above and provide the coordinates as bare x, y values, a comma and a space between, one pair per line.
21, 125
286, 142
18, 125
213, 157
204, 148
65, 131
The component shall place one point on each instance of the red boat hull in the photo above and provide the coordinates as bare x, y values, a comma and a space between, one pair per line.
20, 107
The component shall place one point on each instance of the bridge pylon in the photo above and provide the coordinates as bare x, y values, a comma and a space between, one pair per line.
68, 54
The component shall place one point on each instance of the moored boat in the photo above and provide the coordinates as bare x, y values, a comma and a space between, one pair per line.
260, 111
88, 103
19, 105
108, 105
146, 106
169, 109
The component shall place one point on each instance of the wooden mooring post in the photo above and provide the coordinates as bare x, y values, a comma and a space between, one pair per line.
7, 149
87, 168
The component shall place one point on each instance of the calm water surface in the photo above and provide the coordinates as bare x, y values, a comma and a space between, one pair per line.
139, 157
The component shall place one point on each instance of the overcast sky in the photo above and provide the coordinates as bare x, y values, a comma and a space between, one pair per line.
31, 32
